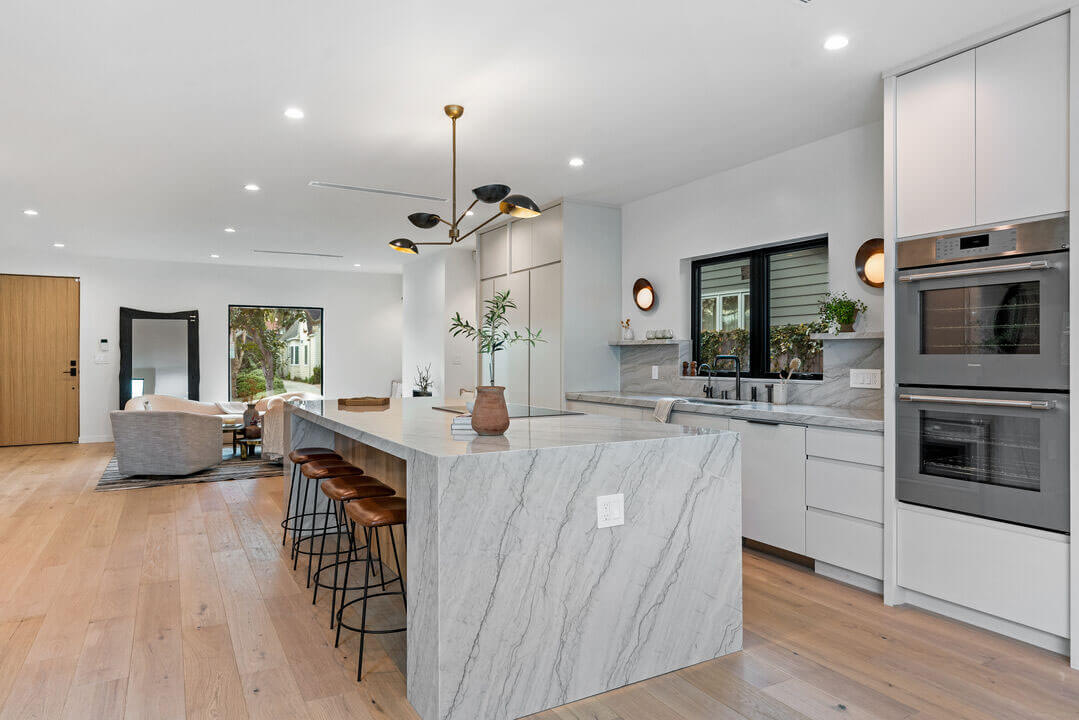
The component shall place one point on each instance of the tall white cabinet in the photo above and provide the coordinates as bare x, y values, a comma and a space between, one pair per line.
525, 257
982, 137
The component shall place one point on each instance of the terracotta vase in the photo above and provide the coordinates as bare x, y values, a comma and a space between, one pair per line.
489, 414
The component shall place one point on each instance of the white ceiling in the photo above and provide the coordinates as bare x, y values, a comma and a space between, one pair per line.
132, 126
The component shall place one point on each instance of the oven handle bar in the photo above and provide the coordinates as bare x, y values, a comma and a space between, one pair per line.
983, 402
987, 270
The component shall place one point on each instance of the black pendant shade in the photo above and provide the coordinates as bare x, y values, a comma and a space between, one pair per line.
519, 206
405, 245
491, 193
424, 221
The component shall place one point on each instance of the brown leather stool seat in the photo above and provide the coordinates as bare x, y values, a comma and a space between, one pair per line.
322, 469
377, 511
304, 455
354, 487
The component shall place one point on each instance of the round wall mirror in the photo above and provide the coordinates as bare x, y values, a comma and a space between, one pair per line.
644, 295
869, 262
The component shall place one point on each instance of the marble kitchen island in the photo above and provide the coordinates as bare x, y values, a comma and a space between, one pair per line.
517, 601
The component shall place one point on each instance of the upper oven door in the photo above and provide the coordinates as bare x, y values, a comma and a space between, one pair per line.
999, 322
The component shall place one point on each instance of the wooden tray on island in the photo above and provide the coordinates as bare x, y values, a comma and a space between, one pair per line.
359, 402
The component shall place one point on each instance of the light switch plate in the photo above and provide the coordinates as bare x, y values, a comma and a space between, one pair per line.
866, 379
610, 510
655, 372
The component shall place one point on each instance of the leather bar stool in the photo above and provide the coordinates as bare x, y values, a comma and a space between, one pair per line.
318, 470
294, 519
341, 490
372, 514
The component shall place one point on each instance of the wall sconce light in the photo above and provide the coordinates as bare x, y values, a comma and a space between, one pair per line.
869, 262
644, 295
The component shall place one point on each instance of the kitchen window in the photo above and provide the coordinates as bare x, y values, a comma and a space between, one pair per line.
761, 305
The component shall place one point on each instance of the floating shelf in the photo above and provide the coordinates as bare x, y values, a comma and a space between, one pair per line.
634, 343
848, 336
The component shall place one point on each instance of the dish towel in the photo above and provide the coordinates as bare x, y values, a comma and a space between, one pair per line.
231, 408
664, 407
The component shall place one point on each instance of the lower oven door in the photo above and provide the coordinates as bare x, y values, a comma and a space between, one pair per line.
994, 454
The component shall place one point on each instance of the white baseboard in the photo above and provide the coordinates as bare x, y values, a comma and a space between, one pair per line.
849, 577
1042, 639
85, 439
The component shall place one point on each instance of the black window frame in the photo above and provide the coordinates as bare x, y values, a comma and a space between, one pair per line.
759, 358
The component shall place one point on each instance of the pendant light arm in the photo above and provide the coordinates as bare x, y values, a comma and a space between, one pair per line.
475, 229
458, 220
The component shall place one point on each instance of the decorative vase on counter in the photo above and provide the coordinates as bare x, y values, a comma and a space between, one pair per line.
779, 393
627, 333
489, 414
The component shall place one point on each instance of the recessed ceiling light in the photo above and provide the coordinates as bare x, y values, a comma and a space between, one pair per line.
230, 229
251, 187
836, 42
29, 211
294, 113
214, 255
470, 213
57, 244
356, 265
576, 162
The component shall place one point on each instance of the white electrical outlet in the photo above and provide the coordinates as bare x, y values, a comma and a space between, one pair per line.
655, 372
867, 379
610, 510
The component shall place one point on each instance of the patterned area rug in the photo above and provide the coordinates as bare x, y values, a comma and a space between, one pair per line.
231, 468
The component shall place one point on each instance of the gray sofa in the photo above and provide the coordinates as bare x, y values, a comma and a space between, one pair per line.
165, 443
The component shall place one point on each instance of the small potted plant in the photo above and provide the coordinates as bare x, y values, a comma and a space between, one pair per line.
423, 381
838, 310
627, 331
492, 334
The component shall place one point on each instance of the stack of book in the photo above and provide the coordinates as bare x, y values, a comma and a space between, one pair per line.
461, 428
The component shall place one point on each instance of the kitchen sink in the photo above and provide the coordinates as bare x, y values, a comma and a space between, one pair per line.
719, 401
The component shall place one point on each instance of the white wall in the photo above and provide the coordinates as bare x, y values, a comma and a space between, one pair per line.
362, 322
832, 186
435, 287
591, 303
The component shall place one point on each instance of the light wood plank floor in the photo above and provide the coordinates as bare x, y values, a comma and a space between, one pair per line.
178, 602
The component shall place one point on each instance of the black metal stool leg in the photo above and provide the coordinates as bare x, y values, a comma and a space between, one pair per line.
301, 515
397, 562
380, 567
291, 503
321, 552
344, 593
363, 613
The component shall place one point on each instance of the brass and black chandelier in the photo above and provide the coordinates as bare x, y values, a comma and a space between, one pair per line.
520, 206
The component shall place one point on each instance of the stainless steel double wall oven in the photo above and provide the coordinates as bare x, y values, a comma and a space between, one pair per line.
982, 368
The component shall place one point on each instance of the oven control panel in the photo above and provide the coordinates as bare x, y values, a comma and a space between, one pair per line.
990, 243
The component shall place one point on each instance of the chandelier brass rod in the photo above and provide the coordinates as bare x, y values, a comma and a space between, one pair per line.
458, 220
431, 242
453, 213
473, 230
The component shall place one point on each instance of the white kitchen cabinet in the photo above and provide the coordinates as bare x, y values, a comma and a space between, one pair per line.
547, 237
545, 314
845, 542
520, 232
1004, 570
857, 446
494, 248
511, 364
773, 483
935, 147
1022, 124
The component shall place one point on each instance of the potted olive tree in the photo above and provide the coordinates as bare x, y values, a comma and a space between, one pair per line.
492, 334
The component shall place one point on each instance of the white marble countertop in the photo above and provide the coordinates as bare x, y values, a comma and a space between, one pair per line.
818, 415
410, 425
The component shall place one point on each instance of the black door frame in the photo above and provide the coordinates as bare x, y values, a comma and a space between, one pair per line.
127, 315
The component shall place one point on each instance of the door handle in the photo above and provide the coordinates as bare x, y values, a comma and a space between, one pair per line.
987, 270
981, 402
763, 422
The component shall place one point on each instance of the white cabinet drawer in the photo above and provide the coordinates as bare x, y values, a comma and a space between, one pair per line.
850, 445
773, 484
713, 422
1011, 572
845, 542
623, 411
845, 488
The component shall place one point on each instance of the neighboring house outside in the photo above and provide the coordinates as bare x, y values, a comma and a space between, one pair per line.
303, 350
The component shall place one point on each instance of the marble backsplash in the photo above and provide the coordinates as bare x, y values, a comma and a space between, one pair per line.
833, 391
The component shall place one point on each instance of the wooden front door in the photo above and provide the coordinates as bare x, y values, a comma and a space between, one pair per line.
39, 353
